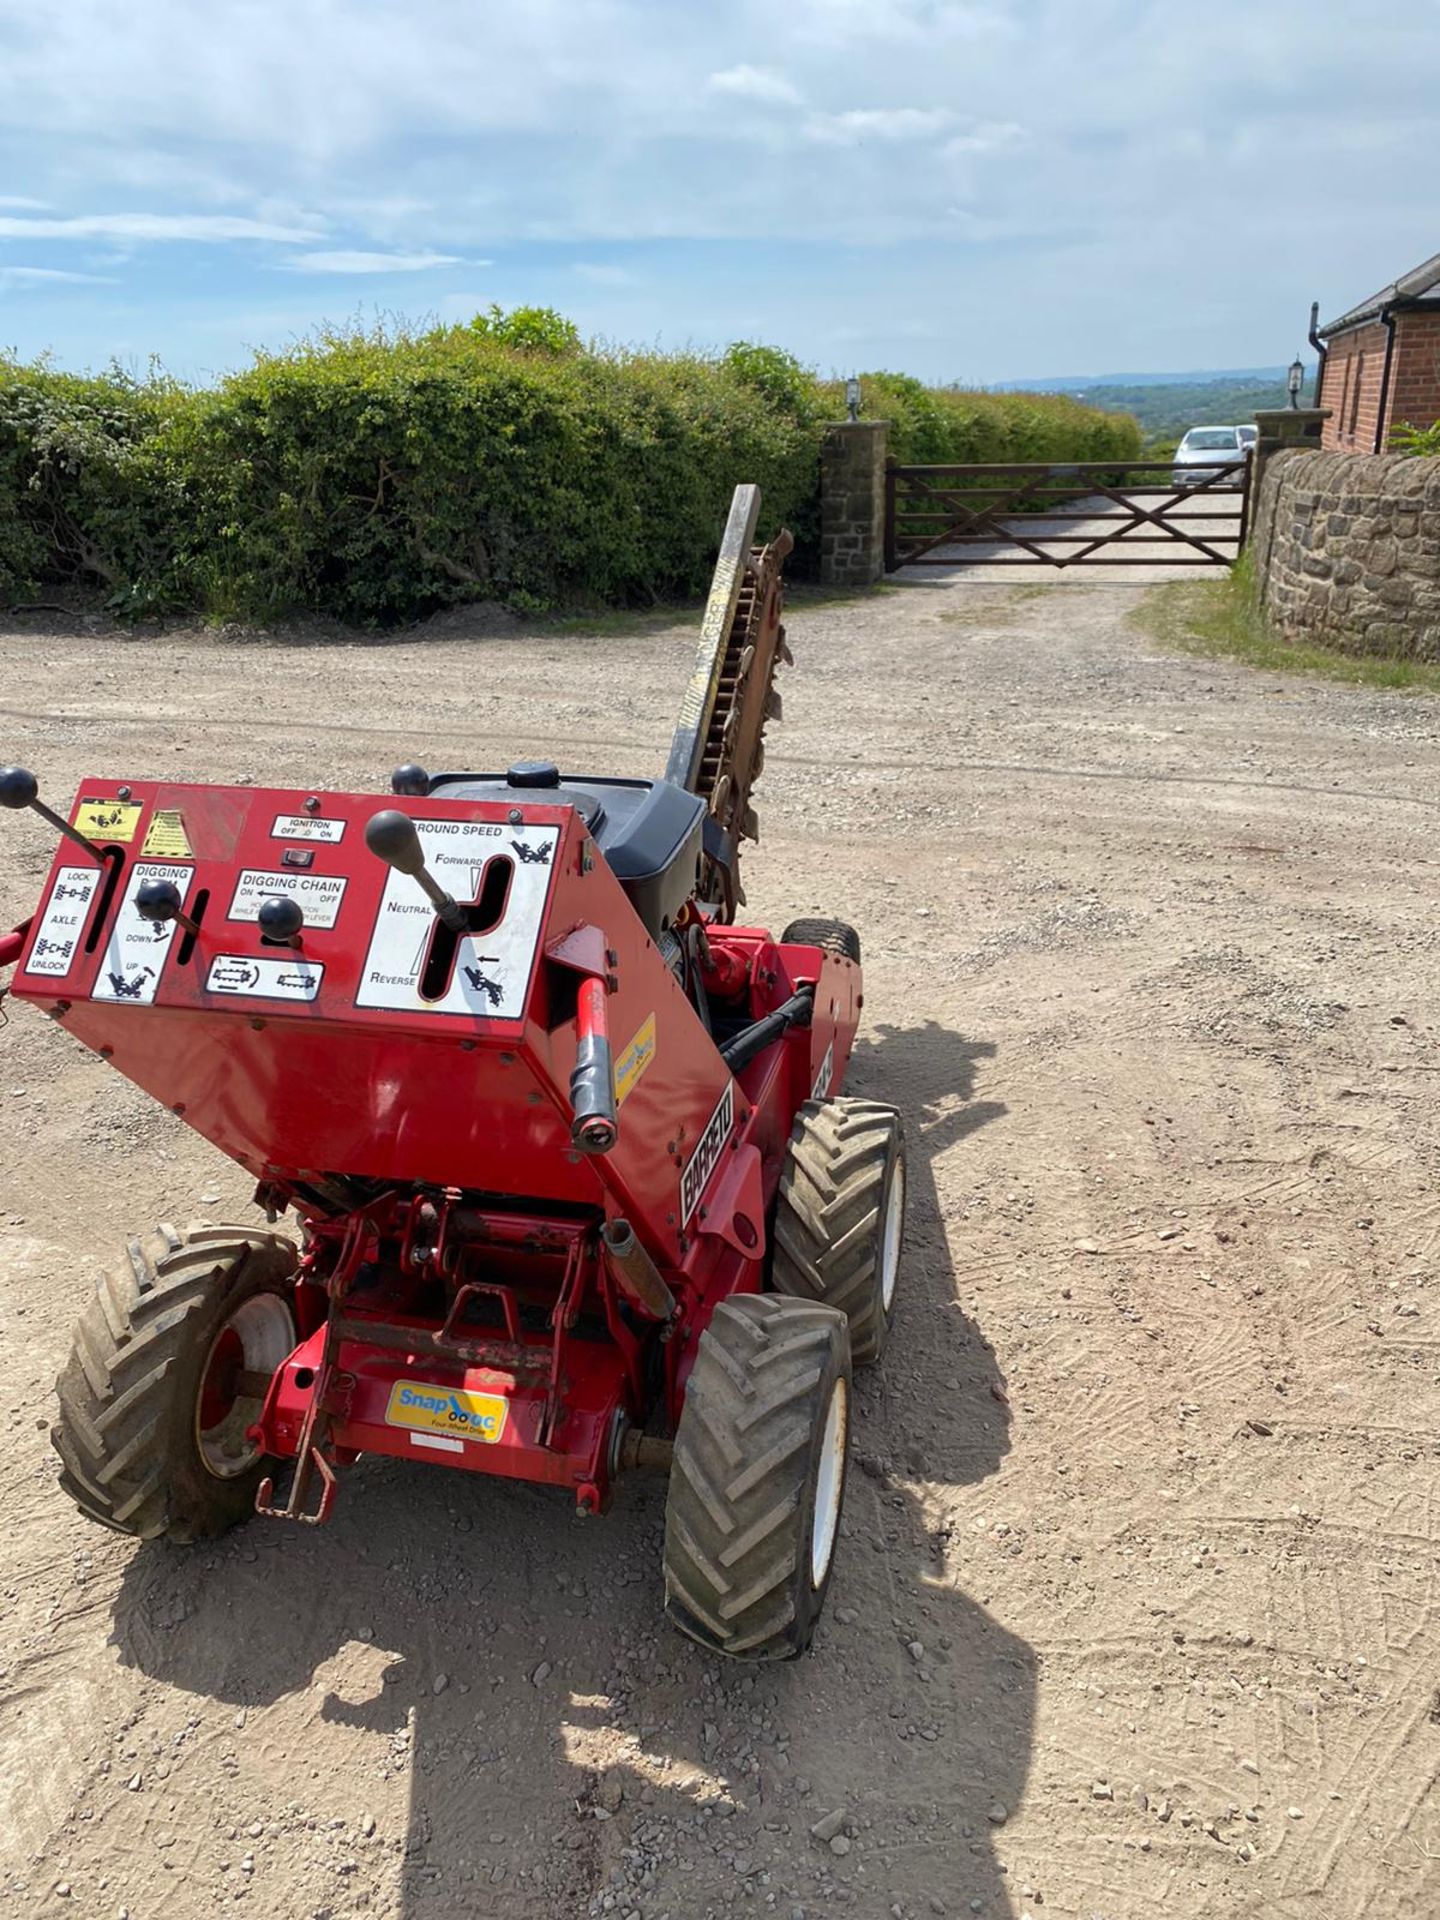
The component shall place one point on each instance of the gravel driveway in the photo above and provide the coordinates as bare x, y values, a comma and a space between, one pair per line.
1135, 1612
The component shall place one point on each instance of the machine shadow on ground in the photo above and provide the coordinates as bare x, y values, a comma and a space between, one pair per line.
718, 1764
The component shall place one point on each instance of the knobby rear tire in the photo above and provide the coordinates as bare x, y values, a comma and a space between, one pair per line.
840, 1216
758, 1480
132, 1450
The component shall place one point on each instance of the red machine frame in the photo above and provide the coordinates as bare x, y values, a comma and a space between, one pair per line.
467, 1293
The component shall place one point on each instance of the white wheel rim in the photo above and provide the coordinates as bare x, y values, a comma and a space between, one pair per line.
265, 1329
828, 1484
890, 1236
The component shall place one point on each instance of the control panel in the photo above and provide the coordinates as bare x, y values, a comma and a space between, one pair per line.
291, 902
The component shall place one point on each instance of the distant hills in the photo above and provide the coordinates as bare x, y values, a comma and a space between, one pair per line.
1201, 377
1166, 404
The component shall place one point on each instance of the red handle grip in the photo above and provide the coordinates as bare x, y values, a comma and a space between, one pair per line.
592, 1084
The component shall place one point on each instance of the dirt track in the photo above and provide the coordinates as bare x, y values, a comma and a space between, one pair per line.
1150, 1477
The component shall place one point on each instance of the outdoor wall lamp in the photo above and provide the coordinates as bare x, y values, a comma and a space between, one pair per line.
1295, 380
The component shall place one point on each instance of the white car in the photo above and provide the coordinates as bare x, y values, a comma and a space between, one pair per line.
1209, 453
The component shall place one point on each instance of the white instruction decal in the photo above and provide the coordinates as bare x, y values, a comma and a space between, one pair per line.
63, 920
262, 979
491, 968
706, 1157
304, 826
137, 949
319, 894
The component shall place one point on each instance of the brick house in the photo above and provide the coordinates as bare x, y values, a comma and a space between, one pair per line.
1380, 365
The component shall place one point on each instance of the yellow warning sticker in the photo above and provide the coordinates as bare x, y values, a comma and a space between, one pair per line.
452, 1411
166, 838
634, 1060
109, 819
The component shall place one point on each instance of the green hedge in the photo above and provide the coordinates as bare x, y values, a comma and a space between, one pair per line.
944, 426
377, 478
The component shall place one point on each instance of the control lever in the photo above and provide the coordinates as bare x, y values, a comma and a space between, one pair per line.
281, 919
391, 837
411, 780
158, 901
19, 788
596, 1125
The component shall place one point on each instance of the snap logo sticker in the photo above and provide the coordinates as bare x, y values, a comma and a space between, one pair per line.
706, 1157
634, 1060
821, 1088
447, 1410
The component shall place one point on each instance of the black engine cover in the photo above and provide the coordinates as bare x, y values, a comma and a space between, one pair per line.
648, 830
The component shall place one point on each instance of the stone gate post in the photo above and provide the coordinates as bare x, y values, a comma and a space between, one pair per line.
852, 503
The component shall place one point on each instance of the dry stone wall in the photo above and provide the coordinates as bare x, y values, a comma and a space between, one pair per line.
1346, 549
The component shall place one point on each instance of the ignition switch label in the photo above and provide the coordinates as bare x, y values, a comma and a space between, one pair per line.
319, 894
63, 920
304, 826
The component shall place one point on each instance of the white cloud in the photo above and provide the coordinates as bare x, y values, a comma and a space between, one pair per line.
156, 226
987, 136
776, 167
859, 124
350, 261
756, 83
43, 276
21, 202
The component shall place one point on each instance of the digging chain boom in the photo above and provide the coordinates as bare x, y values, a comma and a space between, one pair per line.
719, 747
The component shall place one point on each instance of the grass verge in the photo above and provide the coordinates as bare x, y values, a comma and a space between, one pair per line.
1220, 619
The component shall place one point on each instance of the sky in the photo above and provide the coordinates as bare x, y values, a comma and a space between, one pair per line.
978, 191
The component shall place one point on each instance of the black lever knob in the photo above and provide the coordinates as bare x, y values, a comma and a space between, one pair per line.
158, 901
281, 919
411, 780
391, 837
19, 789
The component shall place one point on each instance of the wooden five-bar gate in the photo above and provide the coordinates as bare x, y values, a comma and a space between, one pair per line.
1092, 514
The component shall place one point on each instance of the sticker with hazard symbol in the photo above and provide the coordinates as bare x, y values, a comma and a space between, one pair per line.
452, 1411
108, 819
165, 837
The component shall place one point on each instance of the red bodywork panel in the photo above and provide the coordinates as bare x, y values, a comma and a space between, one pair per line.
383, 1057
